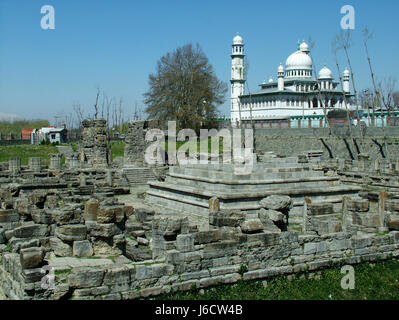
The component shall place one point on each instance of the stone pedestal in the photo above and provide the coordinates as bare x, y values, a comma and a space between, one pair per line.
55, 161
35, 164
14, 165
73, 161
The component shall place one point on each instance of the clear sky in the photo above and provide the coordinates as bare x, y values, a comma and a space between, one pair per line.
115, 45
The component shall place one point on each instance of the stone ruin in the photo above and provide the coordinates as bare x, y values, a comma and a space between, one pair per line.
73, 231
135, 169
94, 150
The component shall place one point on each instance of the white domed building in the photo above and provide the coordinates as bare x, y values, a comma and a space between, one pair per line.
293, 100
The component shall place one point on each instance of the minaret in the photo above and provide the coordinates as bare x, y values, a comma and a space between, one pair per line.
237, 78
280, 77
346, 81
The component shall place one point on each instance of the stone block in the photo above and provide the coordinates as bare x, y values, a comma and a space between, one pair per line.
91, 209
31, 257
109, 214
185, 242
31, 230
117, 275
72, 232
309, 248
342, 244
105, 247
85, 277
41, 216
251, 226
82, 248
317, 209
277, 202
60, 248
361, 205
227, 218
207, 236
103, 230
33, 275
392, 205
393, 222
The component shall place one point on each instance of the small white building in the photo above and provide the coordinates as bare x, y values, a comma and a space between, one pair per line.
49, 133
295, 93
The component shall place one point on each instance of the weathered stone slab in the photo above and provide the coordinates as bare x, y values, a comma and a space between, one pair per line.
227, 218
393, 222
60, 248
276, 202
31, 257
317, 209
91, 209
85, 277
103, 230
82, 248
31, 230
251, 226
73, 232
207, 236
361, 205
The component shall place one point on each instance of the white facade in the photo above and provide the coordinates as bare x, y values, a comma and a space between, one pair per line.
295, 93
48, 133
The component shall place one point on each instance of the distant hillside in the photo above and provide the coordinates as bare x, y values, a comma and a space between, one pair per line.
15, 127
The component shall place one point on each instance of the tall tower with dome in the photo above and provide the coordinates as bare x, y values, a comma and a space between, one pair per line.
237, 78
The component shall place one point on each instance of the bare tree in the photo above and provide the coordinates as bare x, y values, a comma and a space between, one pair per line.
367, 35
396, 99
334, 50
387, 90
311, 45
96, 104
79, 113
120, 111
344, 41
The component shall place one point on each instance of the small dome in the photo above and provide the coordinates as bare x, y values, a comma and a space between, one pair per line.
346, 73
270, 80
237, 39
299, 60
325, 73
281, 68
304, 47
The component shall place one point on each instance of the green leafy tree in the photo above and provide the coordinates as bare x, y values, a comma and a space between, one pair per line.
184, 88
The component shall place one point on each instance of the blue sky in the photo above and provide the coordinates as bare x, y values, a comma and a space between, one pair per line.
116, 44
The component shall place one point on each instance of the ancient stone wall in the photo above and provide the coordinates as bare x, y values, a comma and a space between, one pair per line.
104, 250
94, 147
136, 144
332, 146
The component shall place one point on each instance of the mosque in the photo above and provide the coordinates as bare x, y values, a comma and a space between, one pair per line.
295, 96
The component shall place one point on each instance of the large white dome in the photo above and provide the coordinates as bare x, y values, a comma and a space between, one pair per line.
299, 60
325, 73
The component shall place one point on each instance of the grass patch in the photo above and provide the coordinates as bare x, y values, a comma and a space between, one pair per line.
26, 151
377, 281
117, 149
